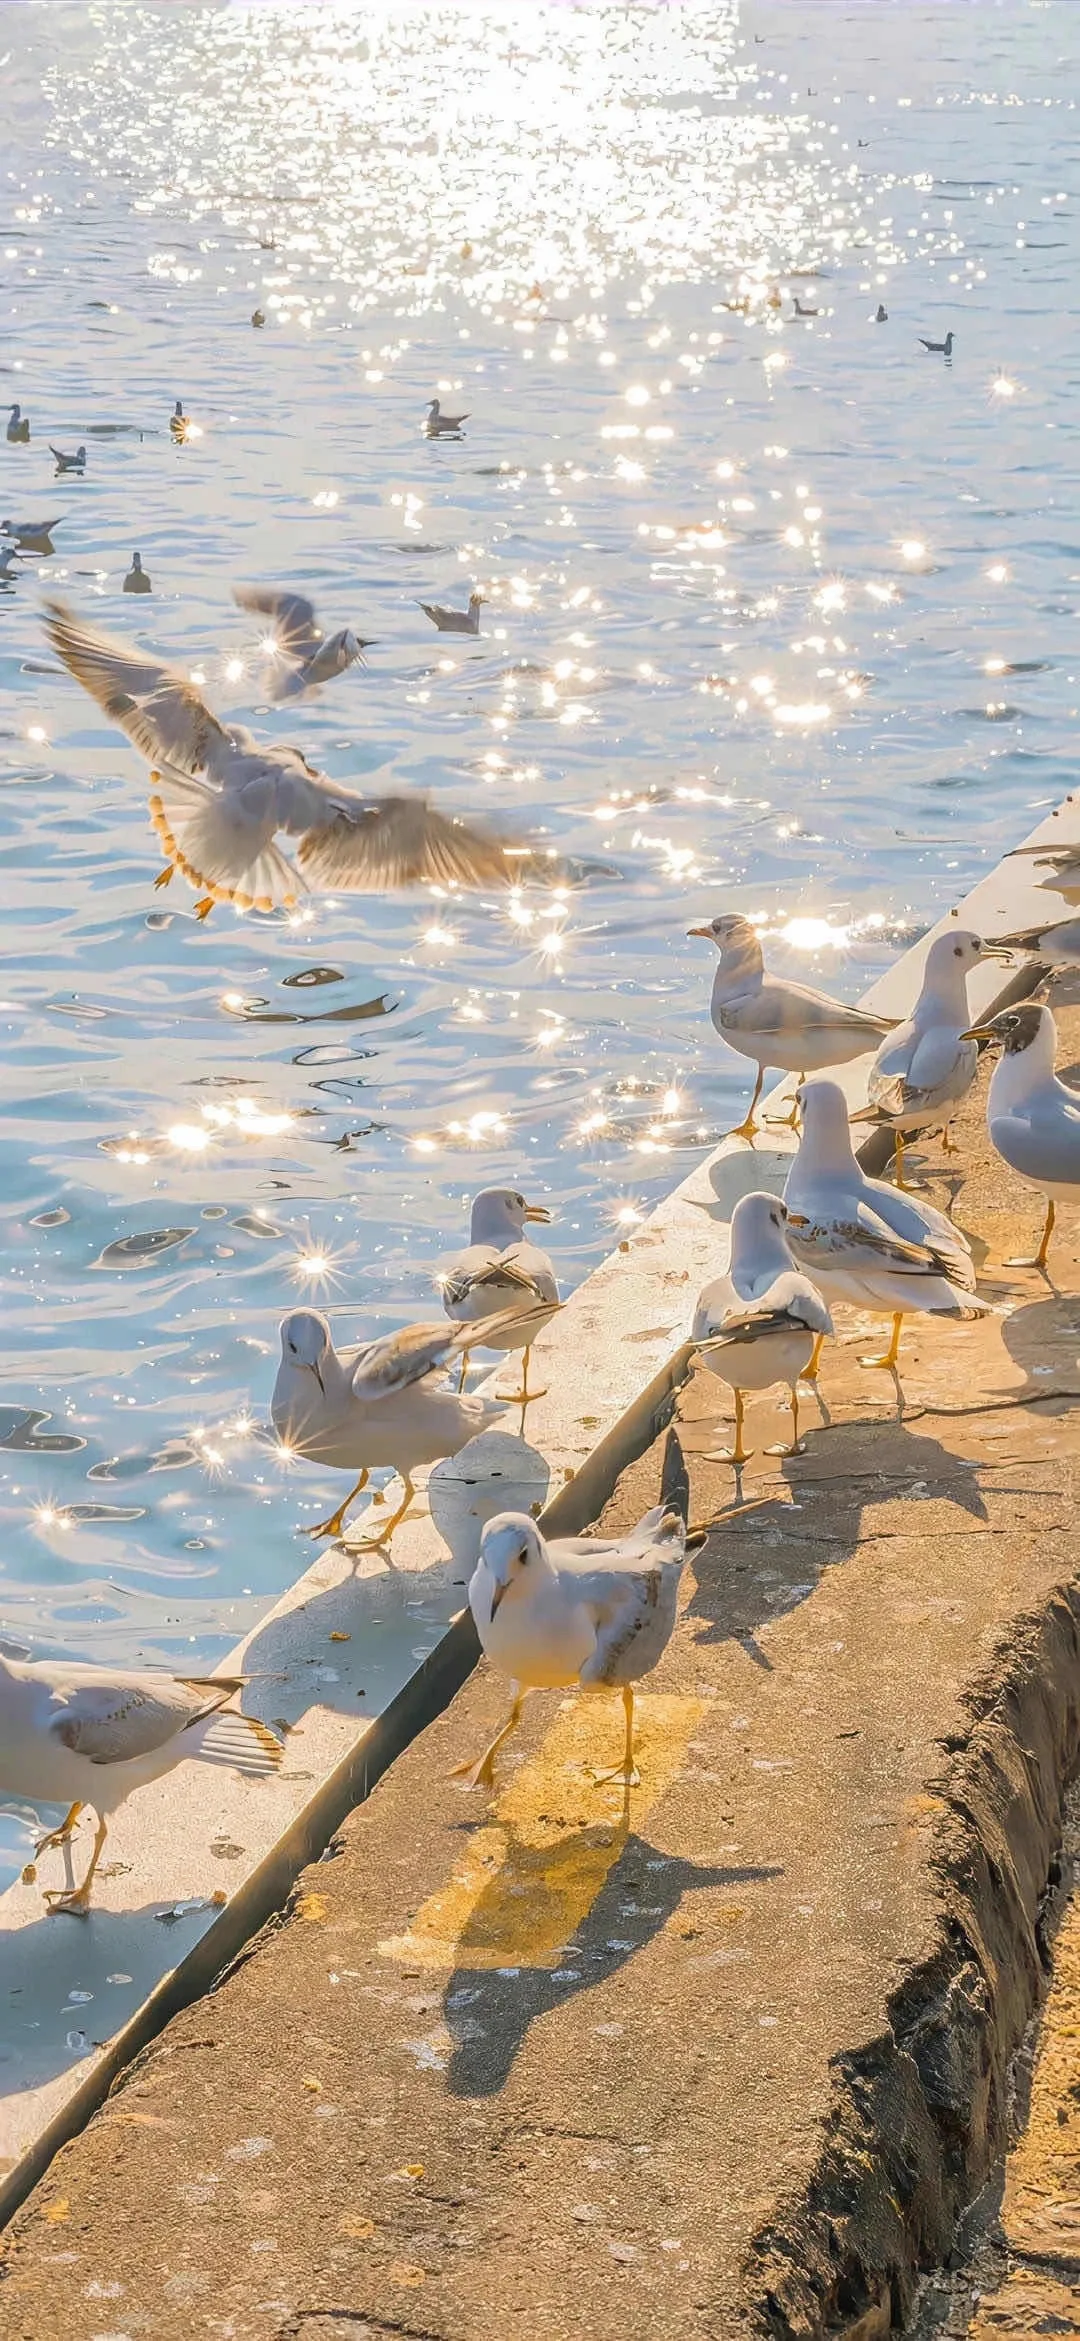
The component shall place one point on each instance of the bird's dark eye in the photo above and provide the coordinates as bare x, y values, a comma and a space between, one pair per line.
958, 951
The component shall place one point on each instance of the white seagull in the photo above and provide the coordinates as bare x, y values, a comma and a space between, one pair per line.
763, 1322
385, 1403
439, 426
926, 1067
309, 657
455, 621
499, 1269
860, 1239
593, 1612
775, 1022
89, 1735
1033, 1118
219, 797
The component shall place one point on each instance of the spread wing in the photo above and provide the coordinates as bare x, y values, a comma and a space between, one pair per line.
291, 615
154, 704
116, 1720
399, 841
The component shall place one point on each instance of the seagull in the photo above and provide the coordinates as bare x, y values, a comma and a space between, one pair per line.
76, 462
500, 1270
455, 621
8, 554
360, 1409
800, 311
258, 317
18, 429
763, 1322
89, 1735
31, 536
310, 656
439, 426
1033, 1118
592, 1612
882, 316
219, 796
775, 1022
178, 420
1058, 945
939, 349
137, 580
1063, 860
860, 1239
924, 1068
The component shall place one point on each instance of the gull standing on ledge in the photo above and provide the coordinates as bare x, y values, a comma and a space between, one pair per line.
383, 1403
926, 1067
763, 1322
597, 1613
219, 798
439, 426
309, 656
500, 1270
1033, 1118
863, 1241
455, 621
85, 1735
775, 1022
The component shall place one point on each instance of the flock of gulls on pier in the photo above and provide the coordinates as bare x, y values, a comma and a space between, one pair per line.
586, 1612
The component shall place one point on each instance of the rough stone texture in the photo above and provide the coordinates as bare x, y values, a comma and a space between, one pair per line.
724, 2060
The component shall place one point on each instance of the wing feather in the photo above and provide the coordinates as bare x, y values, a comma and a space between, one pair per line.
153, 703
291, 614
400, 841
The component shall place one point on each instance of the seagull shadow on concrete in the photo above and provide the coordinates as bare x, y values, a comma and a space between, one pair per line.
488, 2011
350, 1644
69, 1985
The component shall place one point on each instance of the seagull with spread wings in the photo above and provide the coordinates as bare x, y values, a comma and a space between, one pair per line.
219, 796
306, 655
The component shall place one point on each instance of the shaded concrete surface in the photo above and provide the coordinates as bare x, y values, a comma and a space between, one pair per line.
727, 2056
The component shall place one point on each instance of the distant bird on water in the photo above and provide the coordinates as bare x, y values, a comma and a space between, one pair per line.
939, 349
18, 429
31, 536
137, 580
800, 311
437, 425
258, 317
455, 621
7, 556
178, 420
882, 317
76, 462
775, 1022
308, 656
219, 796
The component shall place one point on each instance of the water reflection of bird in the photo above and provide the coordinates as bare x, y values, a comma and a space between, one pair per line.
84, 1735
386, 1403
76, 462
1032, 1117
774, 1022
309, 656
595, 1613
939, 349
764, 1322
18, 430
863, 1241
455, 621
137, 580
439, 426
219, 797
500, 1270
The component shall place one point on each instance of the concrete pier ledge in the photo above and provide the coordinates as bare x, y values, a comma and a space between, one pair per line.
725, 2057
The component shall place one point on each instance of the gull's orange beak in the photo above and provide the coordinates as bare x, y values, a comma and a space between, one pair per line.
539, 1212
705, 931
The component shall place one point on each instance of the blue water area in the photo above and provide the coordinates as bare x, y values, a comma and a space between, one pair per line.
780, 616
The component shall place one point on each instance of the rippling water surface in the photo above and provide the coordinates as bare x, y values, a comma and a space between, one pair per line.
781, 616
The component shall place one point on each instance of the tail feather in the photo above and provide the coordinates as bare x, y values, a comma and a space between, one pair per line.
220, 854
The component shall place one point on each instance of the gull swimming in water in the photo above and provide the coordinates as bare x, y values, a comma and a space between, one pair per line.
31, 536
926, 1067
864, 1241
18, 430
91, 1735
1032, 1117
76, 462
500, 1270
764, 1322
384, 1403
455, 621
775, 1022
595, 1612
137, 580
179, 421
439, 426
939, 349
309, 656
219, 797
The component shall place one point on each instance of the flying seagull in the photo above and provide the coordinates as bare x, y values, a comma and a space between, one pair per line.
309, 657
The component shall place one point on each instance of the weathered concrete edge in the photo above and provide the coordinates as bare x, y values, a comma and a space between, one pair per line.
920, 2115
590, 1479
